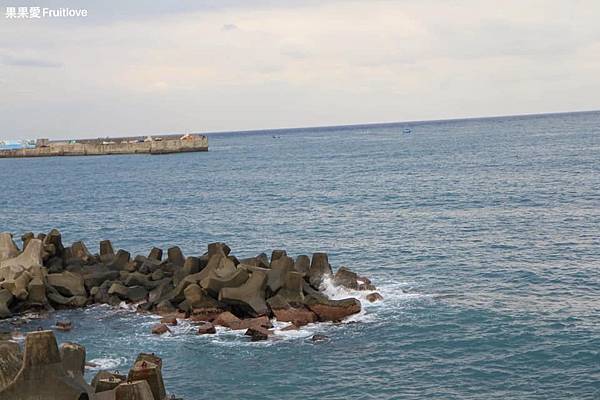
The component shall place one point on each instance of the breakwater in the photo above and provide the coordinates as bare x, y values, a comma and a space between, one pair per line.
61, 370
98, 147
215, 288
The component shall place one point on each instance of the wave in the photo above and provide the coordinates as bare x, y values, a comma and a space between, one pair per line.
107, 363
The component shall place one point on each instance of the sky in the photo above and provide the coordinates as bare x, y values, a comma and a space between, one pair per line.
140, 67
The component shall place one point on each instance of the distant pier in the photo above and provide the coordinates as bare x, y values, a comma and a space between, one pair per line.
98, 147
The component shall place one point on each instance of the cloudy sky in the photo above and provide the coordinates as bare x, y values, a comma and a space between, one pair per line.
140, 67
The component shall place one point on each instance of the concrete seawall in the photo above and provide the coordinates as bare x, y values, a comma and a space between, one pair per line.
168, 146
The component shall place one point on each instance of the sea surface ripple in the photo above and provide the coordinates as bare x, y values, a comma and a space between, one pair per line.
483, 236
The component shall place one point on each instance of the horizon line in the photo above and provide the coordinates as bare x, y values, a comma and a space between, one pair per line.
351, 125
366, 124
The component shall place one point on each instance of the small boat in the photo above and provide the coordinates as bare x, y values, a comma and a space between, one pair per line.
406, 130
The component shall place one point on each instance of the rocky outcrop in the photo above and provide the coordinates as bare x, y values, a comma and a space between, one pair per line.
333, 310
215, 286
8, 248
319, 269
42, 363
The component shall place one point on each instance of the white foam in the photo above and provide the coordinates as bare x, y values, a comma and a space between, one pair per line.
107, 363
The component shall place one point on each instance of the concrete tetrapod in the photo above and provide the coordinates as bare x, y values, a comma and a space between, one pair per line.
10, 362
319, 269
30, 257
42, 364
8, 248
148, 368
251, 295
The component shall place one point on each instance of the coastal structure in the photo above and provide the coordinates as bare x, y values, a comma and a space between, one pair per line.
98, 147
43, 370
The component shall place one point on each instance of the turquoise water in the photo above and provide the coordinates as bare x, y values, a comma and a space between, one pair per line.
483, 235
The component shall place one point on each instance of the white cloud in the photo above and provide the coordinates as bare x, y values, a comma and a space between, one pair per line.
242, 67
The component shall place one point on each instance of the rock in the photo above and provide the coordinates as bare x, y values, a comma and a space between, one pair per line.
160, 329
148, 368
218, 248
26, 238
279, 270
155, 254
54, 239
290, 327
262, 321
277, 254
157, 275
190, 266
333, 310
55, 265
373, 297
226, 319
319, 269
319, 338
11, 359
257, 333
118, 289
30, 258
137, 293
80, 252
160, 292
42, 375
64, 326
67, 283
6, 298
175, 256
250, 296
172, 321
139, 279
120, 260
346, 278
260, 261
8, 248
107, 253
302, 264
297, 316
197, 298
366, 286
165, 307
206, 328
213, 284
138, 390
105, 380
73, 361
18, 286
292, 289
206, 313
98, 278
37, 292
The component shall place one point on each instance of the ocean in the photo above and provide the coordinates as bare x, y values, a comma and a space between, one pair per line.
482, 235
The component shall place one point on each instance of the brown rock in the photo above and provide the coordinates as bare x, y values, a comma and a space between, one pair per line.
333, 310
169, 321
248, 323
64, 326
297, 316
159, 329
226, 319
206, 328
257, 333
373, 297
205, 313
319, 269
346, 278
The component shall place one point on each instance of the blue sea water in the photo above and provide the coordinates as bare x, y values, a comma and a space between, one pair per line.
483, 236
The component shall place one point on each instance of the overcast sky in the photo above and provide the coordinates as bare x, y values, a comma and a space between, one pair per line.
141, 67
